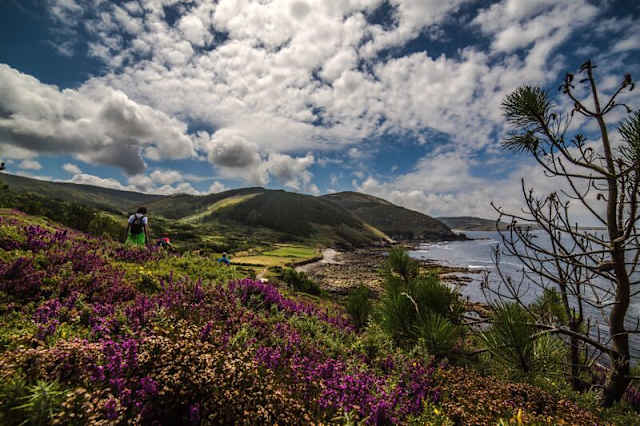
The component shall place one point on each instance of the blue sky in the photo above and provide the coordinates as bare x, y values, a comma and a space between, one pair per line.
397, 98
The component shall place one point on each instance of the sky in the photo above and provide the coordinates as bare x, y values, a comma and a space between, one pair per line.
395, 98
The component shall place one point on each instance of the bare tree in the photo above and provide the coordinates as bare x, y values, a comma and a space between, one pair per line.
587, 267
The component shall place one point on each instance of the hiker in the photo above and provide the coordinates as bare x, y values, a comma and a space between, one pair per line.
224, 259
138, 228
164, 242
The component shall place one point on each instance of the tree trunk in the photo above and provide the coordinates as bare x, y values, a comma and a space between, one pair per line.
618, 379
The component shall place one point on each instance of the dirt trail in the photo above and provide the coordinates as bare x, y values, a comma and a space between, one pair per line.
329, 257
262, 274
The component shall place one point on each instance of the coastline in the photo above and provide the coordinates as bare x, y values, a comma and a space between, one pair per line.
339, 272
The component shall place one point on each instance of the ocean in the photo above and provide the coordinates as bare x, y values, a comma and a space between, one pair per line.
476, 254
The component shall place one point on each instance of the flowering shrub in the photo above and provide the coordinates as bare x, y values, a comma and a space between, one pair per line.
127, 335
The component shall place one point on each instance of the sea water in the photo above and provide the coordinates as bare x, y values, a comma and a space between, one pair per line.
477, 255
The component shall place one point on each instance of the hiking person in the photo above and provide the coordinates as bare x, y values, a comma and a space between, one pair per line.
165, 242
224, 259
138, 228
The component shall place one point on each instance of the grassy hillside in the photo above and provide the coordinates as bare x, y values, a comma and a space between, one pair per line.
94, 196
181, 206
228, 221
296, 217
395, 221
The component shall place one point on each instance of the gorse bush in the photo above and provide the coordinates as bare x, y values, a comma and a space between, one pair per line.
359, 305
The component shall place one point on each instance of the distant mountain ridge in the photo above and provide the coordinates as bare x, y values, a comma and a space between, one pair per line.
470, 223
344, 219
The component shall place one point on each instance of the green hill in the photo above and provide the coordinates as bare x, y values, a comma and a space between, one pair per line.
297, 215
229, 220
95, 196
181, 206
234, 218
395, 221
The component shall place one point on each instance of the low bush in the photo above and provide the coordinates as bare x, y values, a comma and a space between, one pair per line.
509, 339
359, 306
437, 334
300, 281
414, 306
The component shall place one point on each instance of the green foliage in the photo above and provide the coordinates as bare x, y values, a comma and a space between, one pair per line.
524, 109
300, 281
193, 264
103, 224
437, 334
352, 236
549, 306
359, 305
374, 342
41, 403
240, 339
550, 355
13, 389
401, 264
417, 306
16, 329
77, 216
509, 339
630, 132
317, 332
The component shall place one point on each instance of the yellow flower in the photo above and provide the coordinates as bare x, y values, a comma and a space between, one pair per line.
436, 411
519, 416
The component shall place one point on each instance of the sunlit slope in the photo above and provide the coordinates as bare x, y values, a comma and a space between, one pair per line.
218, 205
182, 206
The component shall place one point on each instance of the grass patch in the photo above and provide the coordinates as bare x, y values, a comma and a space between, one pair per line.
262, 260
283, 250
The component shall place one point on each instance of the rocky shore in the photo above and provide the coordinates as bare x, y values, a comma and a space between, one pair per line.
339, 272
